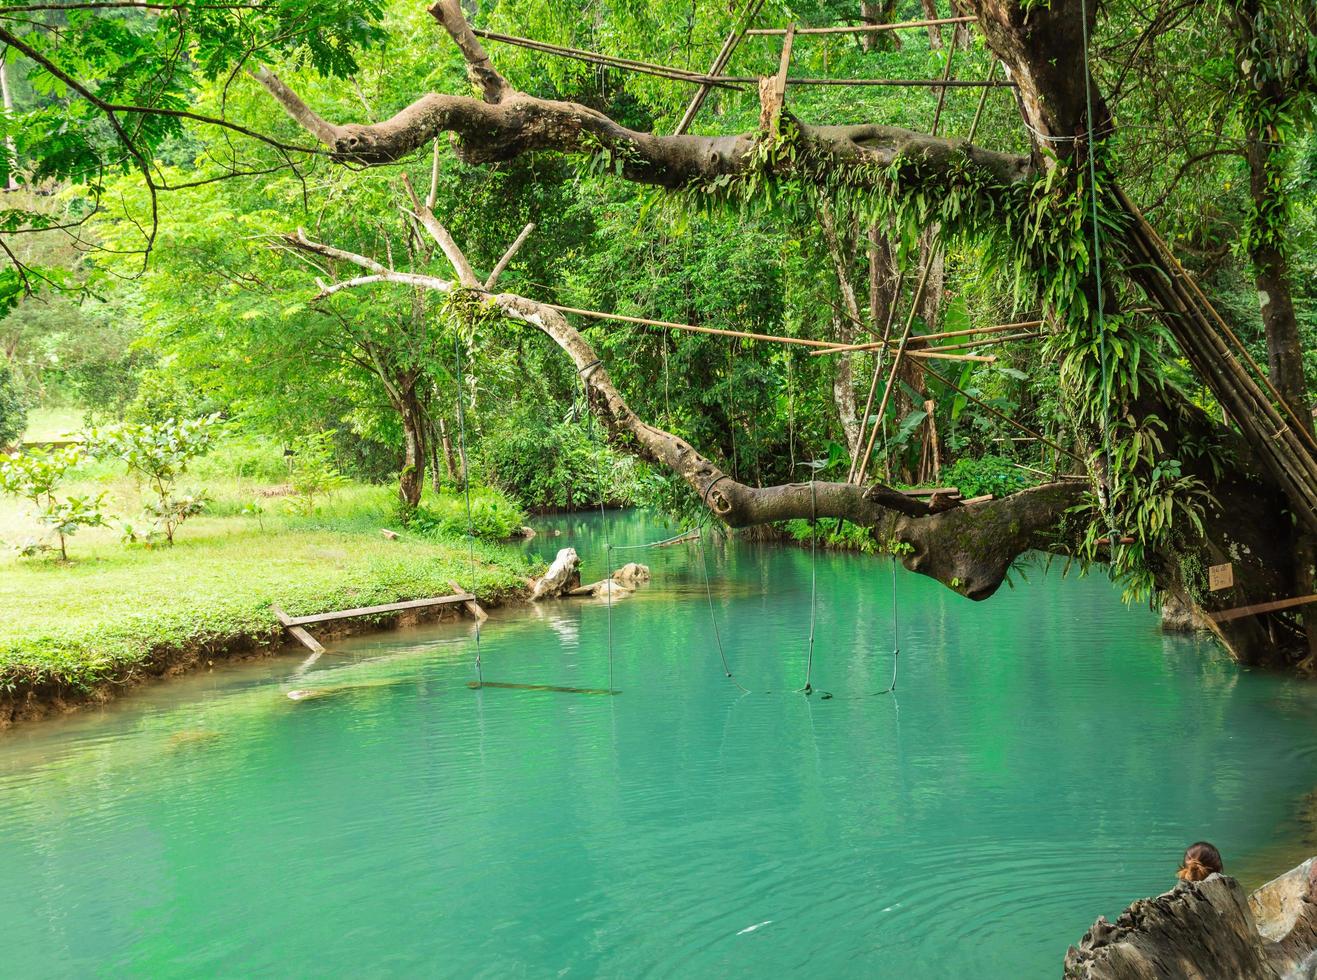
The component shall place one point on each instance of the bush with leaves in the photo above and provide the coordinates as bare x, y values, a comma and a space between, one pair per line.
548, 465
13, 412
158, 453
493, 515
315, 471
35, 476
987, 474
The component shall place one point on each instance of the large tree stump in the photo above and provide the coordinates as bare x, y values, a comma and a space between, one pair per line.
1204, 931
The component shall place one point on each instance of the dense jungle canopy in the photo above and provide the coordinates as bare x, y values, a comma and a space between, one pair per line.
293, 213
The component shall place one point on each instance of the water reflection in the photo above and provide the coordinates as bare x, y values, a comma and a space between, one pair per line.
1046, 757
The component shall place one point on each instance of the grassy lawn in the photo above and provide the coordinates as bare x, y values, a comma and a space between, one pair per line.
113, 607
47, 424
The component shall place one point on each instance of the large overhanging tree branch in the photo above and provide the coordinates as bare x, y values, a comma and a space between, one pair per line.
508, 123
978, 191
969, 548
1042, 48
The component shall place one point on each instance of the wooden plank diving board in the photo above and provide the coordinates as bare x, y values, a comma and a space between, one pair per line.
477, 685
299, 634
471, 606
1261, 607
390, 607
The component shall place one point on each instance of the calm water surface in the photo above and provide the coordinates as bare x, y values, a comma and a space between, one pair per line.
1047, 755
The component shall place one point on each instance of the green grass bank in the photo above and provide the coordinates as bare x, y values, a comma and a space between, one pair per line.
115, 614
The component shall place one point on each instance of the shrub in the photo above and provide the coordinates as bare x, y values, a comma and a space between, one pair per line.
13, 412
556, 465
34, 476
158, 453
847, 537
493, 515
987, 474
315, 471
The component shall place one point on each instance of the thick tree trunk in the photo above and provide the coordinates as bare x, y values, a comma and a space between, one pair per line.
878, 12
1264, 150
934, 30
845, 324
450, 457
411, 478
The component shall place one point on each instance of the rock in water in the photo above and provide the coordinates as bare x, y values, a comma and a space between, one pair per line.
563, 576
1202, 931
631, 575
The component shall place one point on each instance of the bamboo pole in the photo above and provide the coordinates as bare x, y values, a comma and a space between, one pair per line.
691, 328
858, 477
627, 64
878, 364
1206, 304
938, 355
897, 82
896, 361
719, 63
864, 28
875, 345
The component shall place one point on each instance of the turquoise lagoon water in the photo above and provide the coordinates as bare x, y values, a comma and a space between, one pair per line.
1045, 758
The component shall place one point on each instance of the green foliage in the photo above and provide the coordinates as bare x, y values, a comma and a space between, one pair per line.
167, 393
315, 471
158, 454
493, 516
548, 465
841, 535
35, 476
13, 410
986, 474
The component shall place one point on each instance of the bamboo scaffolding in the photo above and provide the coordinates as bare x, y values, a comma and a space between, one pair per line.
719, 63
689, 327
877, 344
1285, 451
858, 474
628, 64
896, 361
1206, 304
1001, 415
863, 28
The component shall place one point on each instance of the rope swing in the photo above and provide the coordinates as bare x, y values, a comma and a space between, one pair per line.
584, 374
466, 489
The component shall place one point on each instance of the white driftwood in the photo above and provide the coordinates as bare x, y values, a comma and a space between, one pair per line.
563, 576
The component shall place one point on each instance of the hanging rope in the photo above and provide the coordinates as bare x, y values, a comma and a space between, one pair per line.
896, 654
603, 517
808, 689
713, 619
466, 489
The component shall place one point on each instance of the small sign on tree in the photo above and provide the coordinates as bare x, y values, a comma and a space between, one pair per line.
1220, 577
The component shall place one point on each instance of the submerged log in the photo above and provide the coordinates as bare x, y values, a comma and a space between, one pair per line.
1205, 930
626, 580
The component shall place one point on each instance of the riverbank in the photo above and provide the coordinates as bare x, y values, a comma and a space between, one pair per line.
113, 616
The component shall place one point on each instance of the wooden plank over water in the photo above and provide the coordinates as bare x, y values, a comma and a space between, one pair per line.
299, 634
472, 606
477, 685
1261, 607
391, 607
